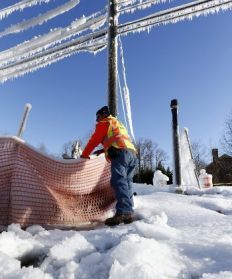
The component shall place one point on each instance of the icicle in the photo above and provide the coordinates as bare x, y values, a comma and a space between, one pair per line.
124, 3
41, 50
126, 92
122, 101
40, 19
173, 15
93, 45
139, 6
20, 6
39, 44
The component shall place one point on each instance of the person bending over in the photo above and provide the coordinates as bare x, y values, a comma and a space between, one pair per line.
119, 149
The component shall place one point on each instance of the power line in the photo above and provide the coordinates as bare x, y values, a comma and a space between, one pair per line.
162, 17
66, 46
174, 14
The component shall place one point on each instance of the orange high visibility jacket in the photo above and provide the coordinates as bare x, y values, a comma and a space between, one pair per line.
109, 132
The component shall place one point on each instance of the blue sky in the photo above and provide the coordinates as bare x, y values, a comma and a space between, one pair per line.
189, 60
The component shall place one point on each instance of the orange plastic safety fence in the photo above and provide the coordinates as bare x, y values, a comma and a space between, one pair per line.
37, 189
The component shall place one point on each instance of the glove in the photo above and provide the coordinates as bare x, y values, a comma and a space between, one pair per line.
83, 157
98, 152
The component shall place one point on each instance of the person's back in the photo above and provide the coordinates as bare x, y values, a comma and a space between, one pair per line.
117, 137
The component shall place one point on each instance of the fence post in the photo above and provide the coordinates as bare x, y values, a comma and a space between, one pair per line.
176, 145
24, 120
112, 58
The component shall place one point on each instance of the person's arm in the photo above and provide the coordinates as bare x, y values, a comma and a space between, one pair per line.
97, 137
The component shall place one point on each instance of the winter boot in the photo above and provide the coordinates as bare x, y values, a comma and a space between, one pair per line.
119, 218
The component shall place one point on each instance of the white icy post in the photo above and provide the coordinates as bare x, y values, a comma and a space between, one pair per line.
76, 150
24, 120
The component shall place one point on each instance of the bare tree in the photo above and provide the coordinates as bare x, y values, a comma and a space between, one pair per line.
226, 140
146, 153
161, 156
150, 155
200, 155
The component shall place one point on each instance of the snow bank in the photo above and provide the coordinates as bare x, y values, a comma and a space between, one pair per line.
144, 258
176, 236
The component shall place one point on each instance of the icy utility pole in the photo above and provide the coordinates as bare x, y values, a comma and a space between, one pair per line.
24, 120
112, 58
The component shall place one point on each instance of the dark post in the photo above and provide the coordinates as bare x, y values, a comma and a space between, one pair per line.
112, 58
176, 145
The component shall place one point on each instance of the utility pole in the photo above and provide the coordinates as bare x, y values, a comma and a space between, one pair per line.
176, 144
112, 58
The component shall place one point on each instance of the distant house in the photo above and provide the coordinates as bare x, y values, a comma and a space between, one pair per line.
220, 168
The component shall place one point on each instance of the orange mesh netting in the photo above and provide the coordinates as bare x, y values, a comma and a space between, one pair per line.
37, 189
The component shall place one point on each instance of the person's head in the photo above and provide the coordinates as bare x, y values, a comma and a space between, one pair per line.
102, 113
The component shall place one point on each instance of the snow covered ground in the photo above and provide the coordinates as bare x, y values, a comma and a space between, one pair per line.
177, 236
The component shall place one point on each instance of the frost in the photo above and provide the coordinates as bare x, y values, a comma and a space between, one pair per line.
89, 43
40, 19
174, 15
20, 6
39, 44
124, 3
44, 50
139, 6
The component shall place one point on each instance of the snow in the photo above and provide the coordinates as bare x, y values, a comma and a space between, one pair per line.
176, 236
160, 179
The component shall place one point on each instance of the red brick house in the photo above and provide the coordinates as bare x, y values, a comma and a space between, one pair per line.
220, 168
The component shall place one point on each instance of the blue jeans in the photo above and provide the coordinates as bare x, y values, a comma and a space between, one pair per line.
122, 170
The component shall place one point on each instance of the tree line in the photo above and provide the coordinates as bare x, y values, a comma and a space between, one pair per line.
151, 157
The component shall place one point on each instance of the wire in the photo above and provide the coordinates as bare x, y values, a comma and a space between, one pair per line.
143, 22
